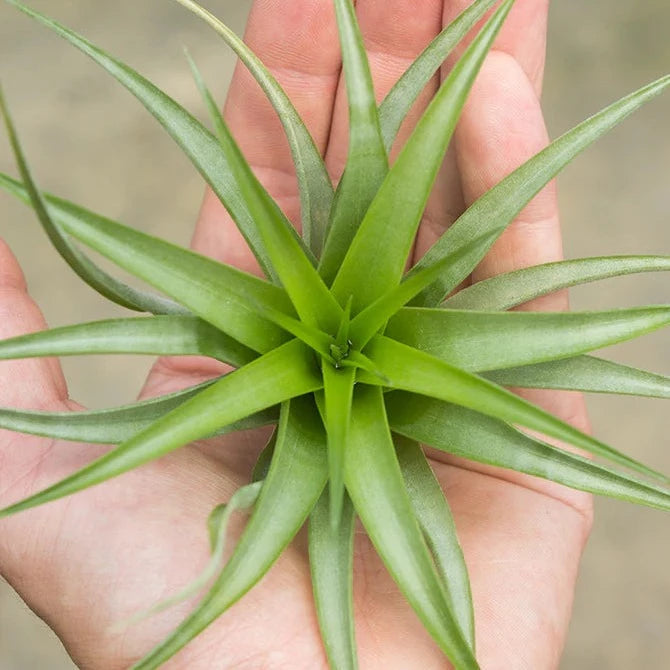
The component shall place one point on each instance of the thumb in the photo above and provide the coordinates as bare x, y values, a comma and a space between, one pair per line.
29, 383
36, 383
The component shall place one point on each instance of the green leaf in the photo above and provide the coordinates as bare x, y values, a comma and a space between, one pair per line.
197, 143
82, 265
373, 318
294, 483
585, 373
356, 359
367, 161
284, 373
160, 335
515, 288
498, 207
378, 254
338, 386
311, 336
217, 524
310, 296
377, 489
477, 341
434, 516
228, 298
104, 426
244, 498
397, 104
112, 426
471, 435
331, 560
316, 189
418, 372
264, 460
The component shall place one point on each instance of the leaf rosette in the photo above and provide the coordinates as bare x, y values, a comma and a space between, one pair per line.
356, 361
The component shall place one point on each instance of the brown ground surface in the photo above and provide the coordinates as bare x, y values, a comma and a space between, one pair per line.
89, 141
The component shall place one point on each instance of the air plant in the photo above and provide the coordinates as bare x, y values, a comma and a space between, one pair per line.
356, 361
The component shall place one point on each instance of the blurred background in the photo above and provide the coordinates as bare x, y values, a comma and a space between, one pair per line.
91, 142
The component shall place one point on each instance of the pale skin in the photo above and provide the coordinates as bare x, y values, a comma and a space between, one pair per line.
89, 561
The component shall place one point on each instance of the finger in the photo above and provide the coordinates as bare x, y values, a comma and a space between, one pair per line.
501, 127
41, 550
394, 33
36, 383
446, 202
523, 37
297, 41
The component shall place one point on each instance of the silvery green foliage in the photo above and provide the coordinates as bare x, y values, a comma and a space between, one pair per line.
355, 361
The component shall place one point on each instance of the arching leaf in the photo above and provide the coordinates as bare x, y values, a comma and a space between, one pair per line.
515, 288
401, 97
316, 189
496, 209
378, 254
277, 376
331, 560
478, 341
367, 162
413, 370
468, 434
201, 147
160, 335
292, 487
585, 373
377, 489
434, 516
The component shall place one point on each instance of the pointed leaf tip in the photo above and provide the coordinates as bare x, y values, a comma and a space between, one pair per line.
498, 207
316, 189
331, 558
367, 160
377, 256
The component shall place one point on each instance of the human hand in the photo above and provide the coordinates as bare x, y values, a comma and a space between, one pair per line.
522, 538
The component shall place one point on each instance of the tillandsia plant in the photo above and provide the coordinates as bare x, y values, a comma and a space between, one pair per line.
355, 360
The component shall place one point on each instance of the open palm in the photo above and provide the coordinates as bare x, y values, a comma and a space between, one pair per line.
86, 563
